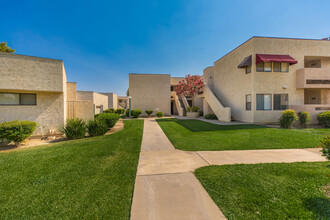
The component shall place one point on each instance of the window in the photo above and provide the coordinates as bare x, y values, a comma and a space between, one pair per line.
264, 102
18, 99
277, 67
281, 101
260, 67
247, 69
267, 67
28, 99
248, 100
9, 99
284, 67
172, 88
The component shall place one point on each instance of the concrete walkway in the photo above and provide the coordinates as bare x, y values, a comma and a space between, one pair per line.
166, 188
169, 192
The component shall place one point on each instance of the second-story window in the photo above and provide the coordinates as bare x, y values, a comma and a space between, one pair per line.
247, 69
272, 67
267, 67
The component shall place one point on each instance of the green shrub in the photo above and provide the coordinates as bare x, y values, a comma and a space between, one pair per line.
127, 113
120, 111
159, 114
325, 144
287, 118
324, 118
303, 119
136, 113
201, 113
97, 115
188, 109
195, 109
211, 116
149, 112
17, 131
74, 128
110, 110
109, 118
96, 127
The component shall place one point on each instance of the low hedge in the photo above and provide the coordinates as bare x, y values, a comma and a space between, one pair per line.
96, 127
74, 128
211, 116
17, 131
324, 118
109, 118
120, 111
110, 110
159, 114
287, 118
136, 113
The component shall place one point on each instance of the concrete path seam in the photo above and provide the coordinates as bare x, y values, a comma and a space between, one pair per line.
202, 158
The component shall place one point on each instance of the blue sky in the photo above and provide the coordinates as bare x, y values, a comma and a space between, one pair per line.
101, 42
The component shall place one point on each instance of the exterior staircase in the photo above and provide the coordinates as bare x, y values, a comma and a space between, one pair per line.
223, 113
178, 104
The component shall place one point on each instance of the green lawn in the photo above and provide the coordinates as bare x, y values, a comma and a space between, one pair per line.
196, 135
91, 178
269, 191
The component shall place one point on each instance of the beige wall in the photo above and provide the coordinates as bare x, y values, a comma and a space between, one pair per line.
83, 109
44, 77
19, 72
48, 113
231, 84
112, 100
71, 91
100, 101
175, 80
150, 91
76, 108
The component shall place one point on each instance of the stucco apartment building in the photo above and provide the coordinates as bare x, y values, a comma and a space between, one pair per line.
255, 82
156, 92
36, 89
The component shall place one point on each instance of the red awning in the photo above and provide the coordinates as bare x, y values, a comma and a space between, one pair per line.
275, 58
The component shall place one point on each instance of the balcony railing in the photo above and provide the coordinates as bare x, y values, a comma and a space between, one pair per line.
313, 78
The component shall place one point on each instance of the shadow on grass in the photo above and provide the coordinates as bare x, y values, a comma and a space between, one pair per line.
195, 125
319, 206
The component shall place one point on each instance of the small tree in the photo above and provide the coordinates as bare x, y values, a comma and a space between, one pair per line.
304, 119
4, 48
190, 86
149, 112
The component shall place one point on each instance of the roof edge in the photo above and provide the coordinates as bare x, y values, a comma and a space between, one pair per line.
280, 38
28, 56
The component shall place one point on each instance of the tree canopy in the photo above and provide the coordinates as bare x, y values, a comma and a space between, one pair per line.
190, 86
4, 48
